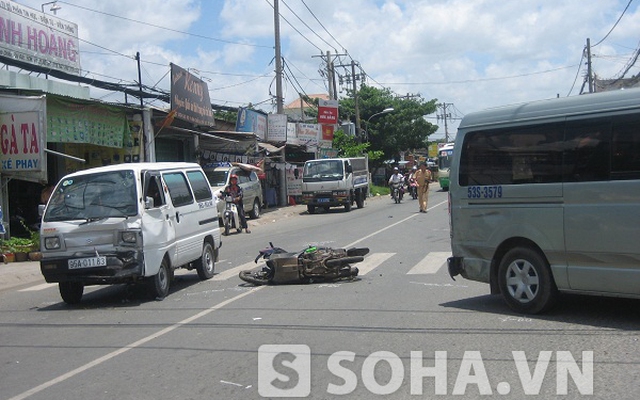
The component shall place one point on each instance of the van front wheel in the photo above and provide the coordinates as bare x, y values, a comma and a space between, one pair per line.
71, 292
206, 263
158, 284
255, 210
525, 280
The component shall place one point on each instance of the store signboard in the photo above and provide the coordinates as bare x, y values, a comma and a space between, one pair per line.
252, 121
30, 36
277, 130
23, 138
328, 112
190, 98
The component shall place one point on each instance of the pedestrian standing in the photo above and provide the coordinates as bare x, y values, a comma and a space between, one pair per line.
423, 177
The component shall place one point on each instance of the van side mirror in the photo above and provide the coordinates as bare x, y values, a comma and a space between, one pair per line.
148, 202
41, 209
349, 169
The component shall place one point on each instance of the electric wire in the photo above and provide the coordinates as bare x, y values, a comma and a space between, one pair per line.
323, 27
311, 29
614, 25
577, 72
166, 28
294, 28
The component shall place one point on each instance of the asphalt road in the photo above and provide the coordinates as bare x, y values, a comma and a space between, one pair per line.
403, 329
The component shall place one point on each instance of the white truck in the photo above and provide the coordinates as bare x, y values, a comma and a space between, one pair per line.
335, 182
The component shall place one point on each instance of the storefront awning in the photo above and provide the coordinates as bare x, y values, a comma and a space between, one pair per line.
269, 148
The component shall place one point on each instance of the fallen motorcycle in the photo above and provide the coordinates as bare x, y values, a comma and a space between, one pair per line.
312, 264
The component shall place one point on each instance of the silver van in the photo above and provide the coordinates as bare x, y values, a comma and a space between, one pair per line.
129, 223
219, 175
544, 198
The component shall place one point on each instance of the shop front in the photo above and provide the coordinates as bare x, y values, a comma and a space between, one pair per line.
74, 135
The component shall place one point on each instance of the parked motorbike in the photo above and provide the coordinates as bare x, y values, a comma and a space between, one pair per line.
230, 217
312, 264
396, 191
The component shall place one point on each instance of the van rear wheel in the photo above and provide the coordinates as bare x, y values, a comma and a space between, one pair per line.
71, 292
525, 280
158, 285
205, 265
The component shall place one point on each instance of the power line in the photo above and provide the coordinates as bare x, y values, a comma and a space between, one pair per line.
294, 28
481, 79
323, 27
305, 24
614, 25
165, 28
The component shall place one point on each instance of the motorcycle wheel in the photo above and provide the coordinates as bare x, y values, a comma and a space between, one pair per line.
226, 227
255, 277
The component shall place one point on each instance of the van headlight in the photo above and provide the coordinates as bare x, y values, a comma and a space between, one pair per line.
52, 243
129, 237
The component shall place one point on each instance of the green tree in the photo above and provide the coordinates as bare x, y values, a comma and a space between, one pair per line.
403, 129
348, 146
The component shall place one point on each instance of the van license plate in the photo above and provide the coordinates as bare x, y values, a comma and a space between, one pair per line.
88, 262
323, 200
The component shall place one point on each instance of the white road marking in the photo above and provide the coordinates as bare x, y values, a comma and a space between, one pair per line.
372, 261
390, 226
38, 287
430, 264
224, 275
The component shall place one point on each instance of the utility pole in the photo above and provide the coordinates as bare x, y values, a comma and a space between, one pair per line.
355, 101
589, 71
331, 73
276, 24
445, 116
279, 101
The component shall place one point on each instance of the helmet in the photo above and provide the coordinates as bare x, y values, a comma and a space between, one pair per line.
395, 168
414, 167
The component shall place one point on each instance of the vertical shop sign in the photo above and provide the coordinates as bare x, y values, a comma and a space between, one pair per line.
23, 138
277, 130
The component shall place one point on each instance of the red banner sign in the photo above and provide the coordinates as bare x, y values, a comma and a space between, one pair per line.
327, 115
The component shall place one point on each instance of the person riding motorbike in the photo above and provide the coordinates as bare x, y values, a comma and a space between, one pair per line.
396, 179
412, 183
235, 191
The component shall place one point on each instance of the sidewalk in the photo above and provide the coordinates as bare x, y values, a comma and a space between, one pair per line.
17, 274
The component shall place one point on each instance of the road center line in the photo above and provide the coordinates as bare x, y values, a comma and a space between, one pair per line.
390, 226
131, 346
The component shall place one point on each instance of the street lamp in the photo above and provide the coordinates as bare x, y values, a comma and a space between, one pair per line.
54, 6
385, 111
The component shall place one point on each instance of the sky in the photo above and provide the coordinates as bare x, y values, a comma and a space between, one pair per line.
467, 54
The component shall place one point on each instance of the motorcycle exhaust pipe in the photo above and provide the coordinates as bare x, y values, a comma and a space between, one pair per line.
348, 272
339, 262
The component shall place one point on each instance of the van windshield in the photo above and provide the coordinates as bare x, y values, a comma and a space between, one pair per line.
94, 197
323, 170
217, 177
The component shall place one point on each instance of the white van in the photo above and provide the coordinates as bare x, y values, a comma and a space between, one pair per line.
129, 223
544, 198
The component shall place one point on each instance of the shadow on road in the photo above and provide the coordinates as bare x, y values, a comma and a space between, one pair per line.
603, 312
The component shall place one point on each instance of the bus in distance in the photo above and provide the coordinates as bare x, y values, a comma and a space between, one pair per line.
445, 153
